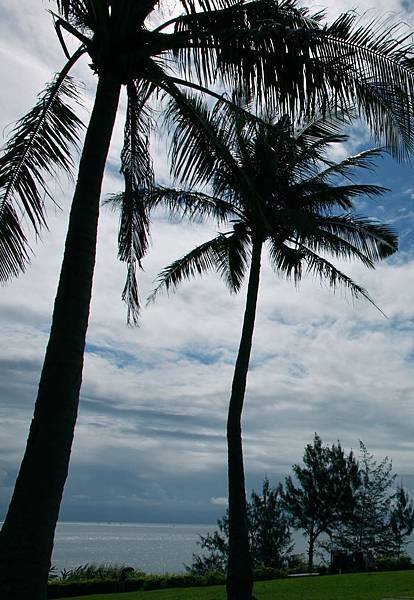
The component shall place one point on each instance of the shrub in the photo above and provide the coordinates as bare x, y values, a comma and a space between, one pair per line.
263, 573
389, 563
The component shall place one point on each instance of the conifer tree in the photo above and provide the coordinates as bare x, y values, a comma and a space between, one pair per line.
401, 521
324, 495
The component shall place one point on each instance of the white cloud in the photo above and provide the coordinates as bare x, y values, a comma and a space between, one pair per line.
220, 501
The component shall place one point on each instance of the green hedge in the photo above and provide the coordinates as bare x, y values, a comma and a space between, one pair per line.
65, 589
388, 563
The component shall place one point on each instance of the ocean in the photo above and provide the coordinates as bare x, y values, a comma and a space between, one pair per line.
154, 548
150, 547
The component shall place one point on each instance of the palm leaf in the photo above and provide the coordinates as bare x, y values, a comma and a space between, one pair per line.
39, 146
320, 197
136, 167
232, 256
13, 245
374, 241
345, 168
377, 72
285, 260
324, 270
227, 254
200, 260
190, 204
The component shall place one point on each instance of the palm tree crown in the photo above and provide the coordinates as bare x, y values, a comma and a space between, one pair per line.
275, 186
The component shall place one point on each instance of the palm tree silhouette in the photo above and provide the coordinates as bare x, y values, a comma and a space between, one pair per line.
274, 52
279, 190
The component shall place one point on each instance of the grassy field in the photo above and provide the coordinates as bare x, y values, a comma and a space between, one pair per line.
357, 586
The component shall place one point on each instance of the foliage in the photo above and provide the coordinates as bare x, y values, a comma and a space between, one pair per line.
269, 537
356, 586
274, 183
94, 571
392, 563
107, 580
368, 528
401, 520
324, 494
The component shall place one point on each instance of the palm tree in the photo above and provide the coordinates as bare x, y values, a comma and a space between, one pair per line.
280, 191
273, 51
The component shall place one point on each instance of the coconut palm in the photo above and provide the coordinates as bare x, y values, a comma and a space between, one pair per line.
274, 51
280, 192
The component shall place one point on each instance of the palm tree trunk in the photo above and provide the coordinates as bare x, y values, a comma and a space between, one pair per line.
239, 569
26, 539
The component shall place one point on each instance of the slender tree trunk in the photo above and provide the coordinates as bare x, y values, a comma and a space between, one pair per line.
311, 550
26, 539
239, 570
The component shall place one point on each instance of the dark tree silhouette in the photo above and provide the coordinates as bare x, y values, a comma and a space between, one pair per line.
269, 534
325, 493
401, 520
280, 191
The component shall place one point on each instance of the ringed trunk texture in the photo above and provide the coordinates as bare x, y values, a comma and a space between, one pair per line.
26, 539
239, 568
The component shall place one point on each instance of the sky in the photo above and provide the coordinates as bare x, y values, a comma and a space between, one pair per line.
150, 440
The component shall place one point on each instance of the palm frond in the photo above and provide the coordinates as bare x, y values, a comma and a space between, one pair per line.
242, 44
232, 256
285, 260
227, 254
285, 58
319, 197
289, 262
40, 145
137, 169
200, 260
136, 161
375, 241
190, 204
202, 146
13, 245
194, 141
81, 13
194, 6
363, 160
375, 64
325, 271
133, 242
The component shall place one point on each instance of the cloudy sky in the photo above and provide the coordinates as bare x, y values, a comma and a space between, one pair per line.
150, 441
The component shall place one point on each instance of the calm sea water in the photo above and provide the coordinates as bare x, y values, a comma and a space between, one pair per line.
154, 548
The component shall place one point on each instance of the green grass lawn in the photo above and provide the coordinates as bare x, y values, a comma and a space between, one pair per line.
357, 586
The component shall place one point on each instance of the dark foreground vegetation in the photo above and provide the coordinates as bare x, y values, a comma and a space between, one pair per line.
349, 509
356, 586
88, 580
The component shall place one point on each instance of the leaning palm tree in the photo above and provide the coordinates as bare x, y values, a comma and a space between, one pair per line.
273, 51
278, 190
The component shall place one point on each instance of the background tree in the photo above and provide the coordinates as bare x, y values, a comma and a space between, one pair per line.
275, 52
367, 529
269, 531
269, 180
401, 520
269, 534
324, 492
